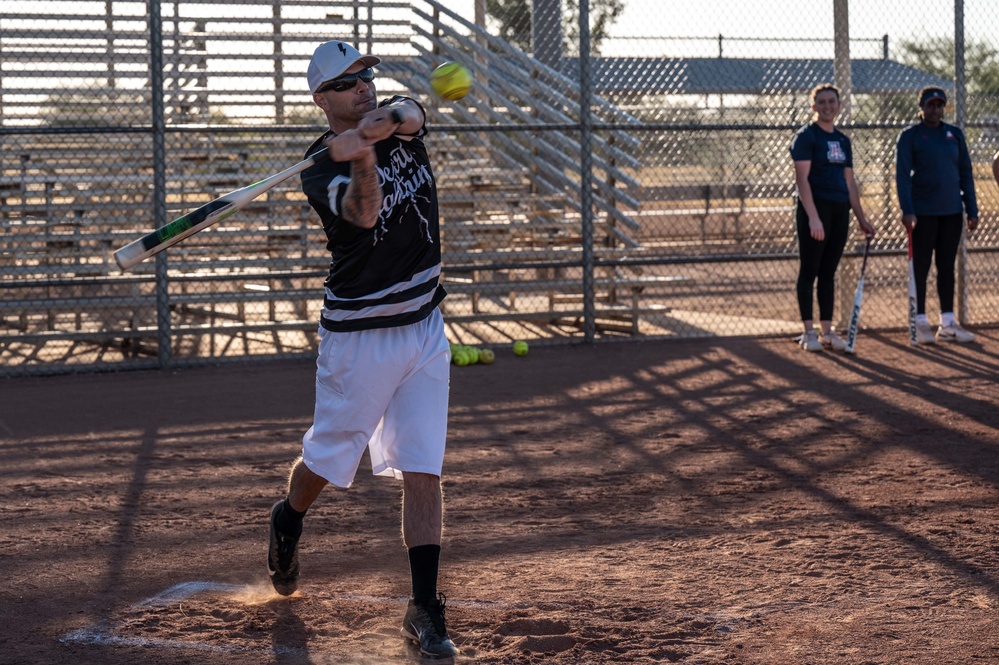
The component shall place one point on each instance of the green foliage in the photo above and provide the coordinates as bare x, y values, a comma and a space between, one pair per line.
936, 56
511, 20
886, 107
603, 13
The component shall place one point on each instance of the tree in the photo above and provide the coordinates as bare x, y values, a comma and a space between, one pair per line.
936, 56
512, 19
603, 13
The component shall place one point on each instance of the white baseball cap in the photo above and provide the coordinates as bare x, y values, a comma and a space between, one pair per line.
332, 59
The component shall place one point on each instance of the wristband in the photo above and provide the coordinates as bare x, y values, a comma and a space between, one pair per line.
396, 116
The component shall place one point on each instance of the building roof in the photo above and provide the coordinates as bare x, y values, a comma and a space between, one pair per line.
744, 76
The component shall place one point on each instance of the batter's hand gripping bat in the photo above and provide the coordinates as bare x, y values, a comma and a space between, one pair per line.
858, 300
913, 340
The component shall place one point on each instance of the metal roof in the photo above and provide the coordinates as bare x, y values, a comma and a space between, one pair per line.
744, 76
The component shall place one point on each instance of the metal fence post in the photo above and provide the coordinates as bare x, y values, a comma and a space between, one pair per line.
843, 79
163, 334
586, 166
960, 119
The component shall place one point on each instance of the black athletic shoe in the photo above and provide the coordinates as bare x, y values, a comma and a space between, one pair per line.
425, 625
282, 558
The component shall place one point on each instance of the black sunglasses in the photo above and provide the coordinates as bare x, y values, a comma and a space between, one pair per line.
348, 81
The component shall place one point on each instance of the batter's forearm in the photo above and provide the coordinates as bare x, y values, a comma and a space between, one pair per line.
410, 114
363, 199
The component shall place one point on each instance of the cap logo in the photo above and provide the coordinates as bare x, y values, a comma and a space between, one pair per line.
342, 49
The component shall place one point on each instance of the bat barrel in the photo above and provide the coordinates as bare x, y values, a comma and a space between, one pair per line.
213, 211
131, 254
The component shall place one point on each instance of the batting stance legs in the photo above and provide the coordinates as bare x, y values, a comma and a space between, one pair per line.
422, 520
384, 391
422, 508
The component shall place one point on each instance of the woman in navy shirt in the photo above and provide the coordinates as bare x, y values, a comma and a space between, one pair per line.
935, 188
826, 192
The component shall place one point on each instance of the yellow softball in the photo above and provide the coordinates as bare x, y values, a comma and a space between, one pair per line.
452, 80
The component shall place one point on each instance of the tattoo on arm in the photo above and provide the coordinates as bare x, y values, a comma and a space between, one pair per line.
363, 199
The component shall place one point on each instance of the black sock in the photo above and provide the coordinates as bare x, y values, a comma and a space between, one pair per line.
289, 521
424, 561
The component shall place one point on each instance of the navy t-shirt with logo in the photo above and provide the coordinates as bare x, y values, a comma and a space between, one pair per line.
830, 154
388, 275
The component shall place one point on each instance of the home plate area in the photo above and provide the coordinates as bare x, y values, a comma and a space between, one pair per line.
315, 628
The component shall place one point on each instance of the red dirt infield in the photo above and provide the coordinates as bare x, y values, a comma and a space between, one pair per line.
710, 501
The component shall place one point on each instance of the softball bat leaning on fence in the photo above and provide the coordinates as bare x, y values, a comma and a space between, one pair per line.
858, 301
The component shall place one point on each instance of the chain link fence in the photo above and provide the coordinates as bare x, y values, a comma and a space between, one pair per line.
643, 190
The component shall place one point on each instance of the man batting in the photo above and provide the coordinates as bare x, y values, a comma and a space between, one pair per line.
384, 361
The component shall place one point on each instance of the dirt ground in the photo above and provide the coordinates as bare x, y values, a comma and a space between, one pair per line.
709, 501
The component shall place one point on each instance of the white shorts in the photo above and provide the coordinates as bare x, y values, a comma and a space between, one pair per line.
385, 390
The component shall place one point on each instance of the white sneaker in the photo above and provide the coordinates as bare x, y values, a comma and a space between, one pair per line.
954, 333
924, 334
831, 340
810, 341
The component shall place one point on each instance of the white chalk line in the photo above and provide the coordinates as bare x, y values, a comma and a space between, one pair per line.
184, 590
104, 635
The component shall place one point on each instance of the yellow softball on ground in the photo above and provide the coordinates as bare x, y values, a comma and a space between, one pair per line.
452, 80
473, 354
486, 356
460, 359
520, 348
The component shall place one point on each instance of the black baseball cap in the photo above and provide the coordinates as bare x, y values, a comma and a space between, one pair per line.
929, 94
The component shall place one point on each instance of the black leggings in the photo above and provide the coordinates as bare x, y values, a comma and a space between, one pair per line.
820, 258
942, 234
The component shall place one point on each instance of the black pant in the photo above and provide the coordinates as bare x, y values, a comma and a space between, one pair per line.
942, 234
820, 258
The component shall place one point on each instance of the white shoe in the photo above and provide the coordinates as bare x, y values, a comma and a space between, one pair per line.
810, 341
924, 334
831, 340
954, 333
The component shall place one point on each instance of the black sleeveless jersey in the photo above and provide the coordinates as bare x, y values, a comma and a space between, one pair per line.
388, 275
